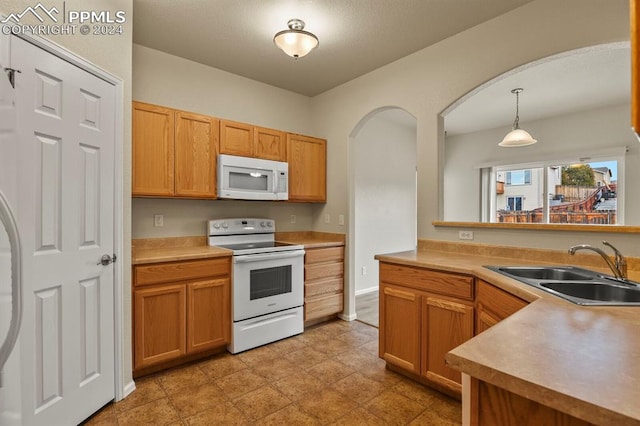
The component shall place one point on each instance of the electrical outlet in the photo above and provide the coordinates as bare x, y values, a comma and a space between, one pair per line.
293, 218
341, 220
158, 220
327, 218
465, 235
364, 270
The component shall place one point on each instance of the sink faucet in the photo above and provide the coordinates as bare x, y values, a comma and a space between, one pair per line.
618, 266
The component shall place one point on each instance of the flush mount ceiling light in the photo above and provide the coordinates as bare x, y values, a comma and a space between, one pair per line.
296, 42
517, 137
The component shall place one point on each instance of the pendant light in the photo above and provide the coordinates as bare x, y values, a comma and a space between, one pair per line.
296, 42
517, 137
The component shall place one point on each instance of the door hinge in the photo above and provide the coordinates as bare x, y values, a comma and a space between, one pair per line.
11, 73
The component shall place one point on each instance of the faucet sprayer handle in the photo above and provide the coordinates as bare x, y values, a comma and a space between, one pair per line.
621, 263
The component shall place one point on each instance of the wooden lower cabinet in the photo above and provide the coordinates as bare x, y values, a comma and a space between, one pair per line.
160, 324
494, 406
420, 322
399, 330
323, 283
181, 309
493, 305
208, 314
446, 324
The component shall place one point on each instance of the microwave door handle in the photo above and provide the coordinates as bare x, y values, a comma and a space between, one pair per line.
267, 256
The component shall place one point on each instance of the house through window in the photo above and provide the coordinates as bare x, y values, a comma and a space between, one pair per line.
585, 192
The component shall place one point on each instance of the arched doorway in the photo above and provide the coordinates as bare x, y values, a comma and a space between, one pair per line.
382, 199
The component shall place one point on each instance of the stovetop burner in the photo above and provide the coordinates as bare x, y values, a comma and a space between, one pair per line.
246, 236
256, 245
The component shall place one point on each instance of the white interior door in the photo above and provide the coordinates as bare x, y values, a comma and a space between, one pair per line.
65, 215
10, 387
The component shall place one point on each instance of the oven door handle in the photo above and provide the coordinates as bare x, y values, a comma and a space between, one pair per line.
247, 258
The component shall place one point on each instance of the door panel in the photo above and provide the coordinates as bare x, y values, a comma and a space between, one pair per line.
66, 126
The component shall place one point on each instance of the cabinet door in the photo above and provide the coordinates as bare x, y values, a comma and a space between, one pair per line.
269, 144
494, 305
153, 150
446, 324
307, 158
399, 342
195, 155
160, 324
484, 319
236, 138
209, 314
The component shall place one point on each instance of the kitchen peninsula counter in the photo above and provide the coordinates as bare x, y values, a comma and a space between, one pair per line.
580, 360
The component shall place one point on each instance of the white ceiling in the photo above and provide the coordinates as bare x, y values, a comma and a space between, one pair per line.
356, 36
590, 79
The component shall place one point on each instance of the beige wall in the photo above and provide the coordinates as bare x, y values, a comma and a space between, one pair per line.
113, 54
168, 80
427, 82
562, 137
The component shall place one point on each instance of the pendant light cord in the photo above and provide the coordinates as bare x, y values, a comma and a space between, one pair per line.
517, 120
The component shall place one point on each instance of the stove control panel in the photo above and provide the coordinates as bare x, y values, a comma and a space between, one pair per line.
241, 226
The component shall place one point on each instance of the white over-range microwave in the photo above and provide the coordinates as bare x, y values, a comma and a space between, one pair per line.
244, 178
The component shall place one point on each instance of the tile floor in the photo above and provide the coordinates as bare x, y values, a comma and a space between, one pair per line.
330, 374
367, 308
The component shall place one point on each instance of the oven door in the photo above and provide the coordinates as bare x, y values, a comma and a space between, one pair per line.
267, 282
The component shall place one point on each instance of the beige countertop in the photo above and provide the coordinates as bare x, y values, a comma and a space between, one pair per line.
311, 239
156, 250
170, 254
581, 360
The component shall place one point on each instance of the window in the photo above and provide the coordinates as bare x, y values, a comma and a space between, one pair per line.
519, 177
514, 203
571, 192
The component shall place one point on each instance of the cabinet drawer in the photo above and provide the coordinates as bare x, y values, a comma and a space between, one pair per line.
323, 306
324, 255
498, 301
319, 288
449, 284
180, 271
323, 270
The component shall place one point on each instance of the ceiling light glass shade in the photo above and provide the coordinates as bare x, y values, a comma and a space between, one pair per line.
517, 137
295, 42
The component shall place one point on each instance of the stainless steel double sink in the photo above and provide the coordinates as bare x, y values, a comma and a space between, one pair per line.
577, 285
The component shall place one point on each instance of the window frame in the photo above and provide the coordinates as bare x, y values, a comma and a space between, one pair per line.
489, 171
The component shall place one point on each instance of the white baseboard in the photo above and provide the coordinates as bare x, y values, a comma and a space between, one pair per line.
366, 290
129, 388
351, 317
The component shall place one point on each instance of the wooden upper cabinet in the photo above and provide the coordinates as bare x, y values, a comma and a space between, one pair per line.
635, 65
251, 141
236, 138
269, 144
307, 158
153, 150
196, 142
174, 153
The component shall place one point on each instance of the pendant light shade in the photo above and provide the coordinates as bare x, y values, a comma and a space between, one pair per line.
517, 136
295, 42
